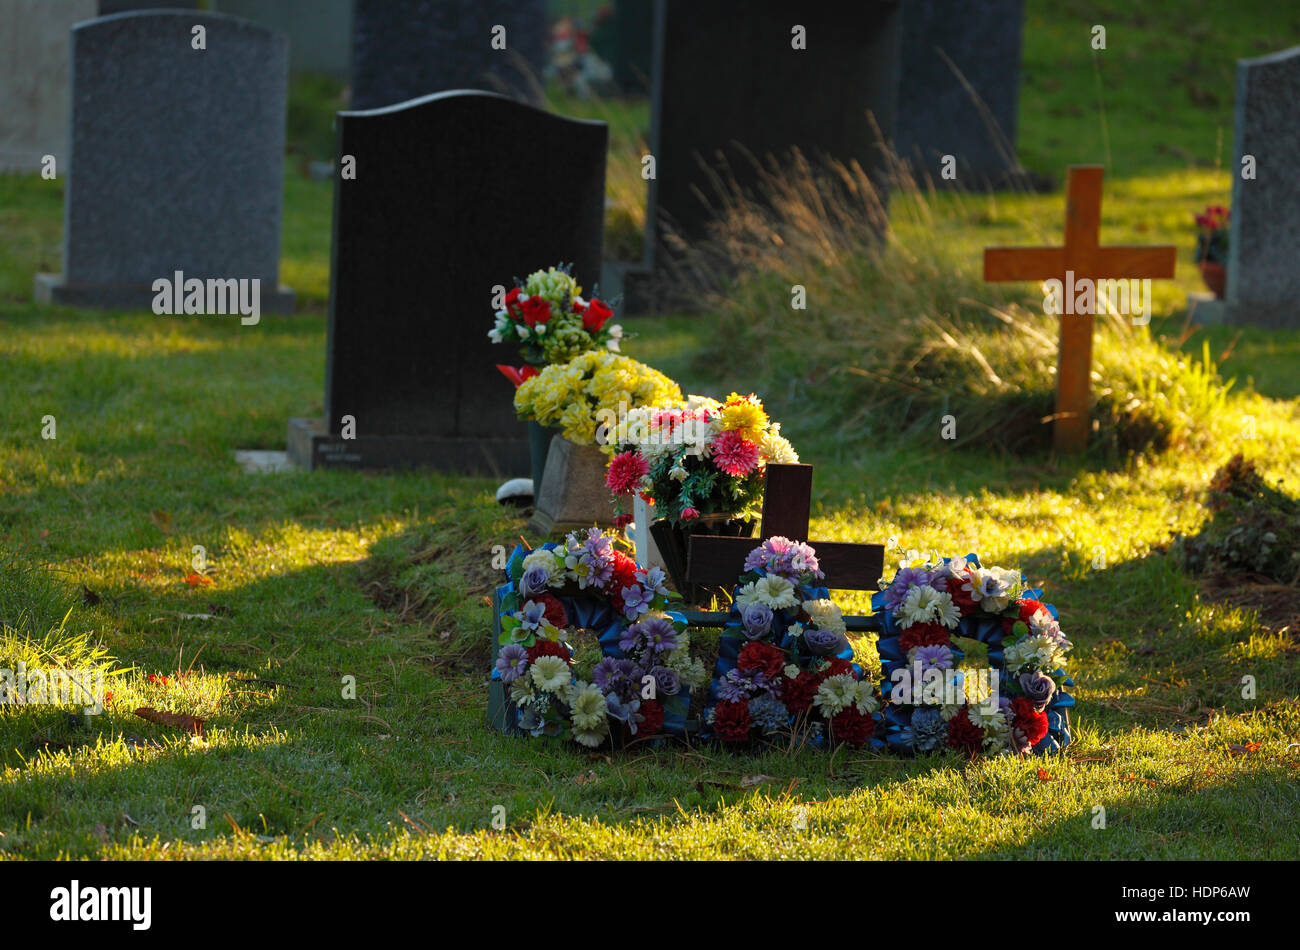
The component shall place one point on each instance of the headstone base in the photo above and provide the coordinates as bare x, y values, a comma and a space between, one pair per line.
262, 461
51, 289
312, 446
573, 493
1206, 310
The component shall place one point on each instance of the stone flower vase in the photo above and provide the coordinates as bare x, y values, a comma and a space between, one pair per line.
673, 543
572, 493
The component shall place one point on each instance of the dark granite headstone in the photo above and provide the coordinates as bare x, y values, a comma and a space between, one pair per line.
731, 86
320, 31
454, 194
404, 49
937, 114
632, 45
177, 158
1264, 238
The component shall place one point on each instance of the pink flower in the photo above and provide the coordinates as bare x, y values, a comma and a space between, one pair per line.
734, 454
689, 514
625, 473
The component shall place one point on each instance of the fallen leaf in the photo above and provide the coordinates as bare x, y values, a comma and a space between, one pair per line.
1044, 775
586, 778
198, 580
161, 519
178, 720
749, 781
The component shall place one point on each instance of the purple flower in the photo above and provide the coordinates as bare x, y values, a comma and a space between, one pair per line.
738, 685
1038, 689
532, 614
824, 642
757, 619
612, 674
512, 662
906, 579
656, 634
534, 581
933, 658
667, 681
654, 580
793, 560
624, 711
598, 555
803, 559
771, 550
636, 601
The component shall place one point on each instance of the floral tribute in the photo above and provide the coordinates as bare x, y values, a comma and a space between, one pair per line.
972, 661
578, 397
548, 316
638, 683
785, 669
706, 457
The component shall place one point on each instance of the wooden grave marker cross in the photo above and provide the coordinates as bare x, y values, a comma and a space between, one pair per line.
787, 495
1080, 258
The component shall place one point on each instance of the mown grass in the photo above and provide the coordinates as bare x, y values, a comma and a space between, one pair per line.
382, 577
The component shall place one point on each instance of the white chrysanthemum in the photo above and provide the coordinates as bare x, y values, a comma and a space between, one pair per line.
835, 694
924, 604
542, 558
771, 590
985, 714
550, 673
777, 448
1041, 651
591, 738
588, 706
997, 734
521, 691
826, 615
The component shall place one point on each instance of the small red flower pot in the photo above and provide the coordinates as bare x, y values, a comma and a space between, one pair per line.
1215, 276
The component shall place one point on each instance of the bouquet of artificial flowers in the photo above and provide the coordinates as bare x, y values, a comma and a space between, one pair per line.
640, 685
972, 659
706, 457
785, 668
548, 316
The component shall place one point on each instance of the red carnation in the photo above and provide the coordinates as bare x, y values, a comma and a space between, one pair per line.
594, 317
964, 735
1025, 609
923, 635
731, 721
1028, 720
653, 711
837, 667
622, 575
548, 648
625, 472
798, 693
512, 301
767, 659
852, 727
622, 521
963, 596
555, 614
536, 310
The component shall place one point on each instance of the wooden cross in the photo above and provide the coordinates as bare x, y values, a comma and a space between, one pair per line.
1082, 258
717, 562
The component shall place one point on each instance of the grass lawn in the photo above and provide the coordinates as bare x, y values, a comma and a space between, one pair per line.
317, 581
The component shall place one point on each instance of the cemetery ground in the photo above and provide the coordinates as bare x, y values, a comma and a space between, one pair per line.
384, 577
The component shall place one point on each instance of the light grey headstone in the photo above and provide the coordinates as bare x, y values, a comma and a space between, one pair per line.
177, 158
1264, 239
320, 31
34, 44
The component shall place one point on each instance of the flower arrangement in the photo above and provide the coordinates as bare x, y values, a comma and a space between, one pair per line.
1212, 235
581, 395
706, 457
547, 315
785, 667
972, 661
640, 685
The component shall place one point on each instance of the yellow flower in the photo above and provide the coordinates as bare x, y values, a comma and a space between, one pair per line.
745, 415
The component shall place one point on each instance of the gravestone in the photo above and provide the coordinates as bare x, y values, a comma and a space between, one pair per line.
959, 88
34, 44
1264, 237
177, 159
319, 31
441, 211
404, 49
631, 45
729, 89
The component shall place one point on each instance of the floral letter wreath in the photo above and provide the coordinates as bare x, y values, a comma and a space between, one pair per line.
972, 661
785, 665
641, 685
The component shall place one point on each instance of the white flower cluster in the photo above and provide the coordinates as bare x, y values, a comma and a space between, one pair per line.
771, 590
837, 693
